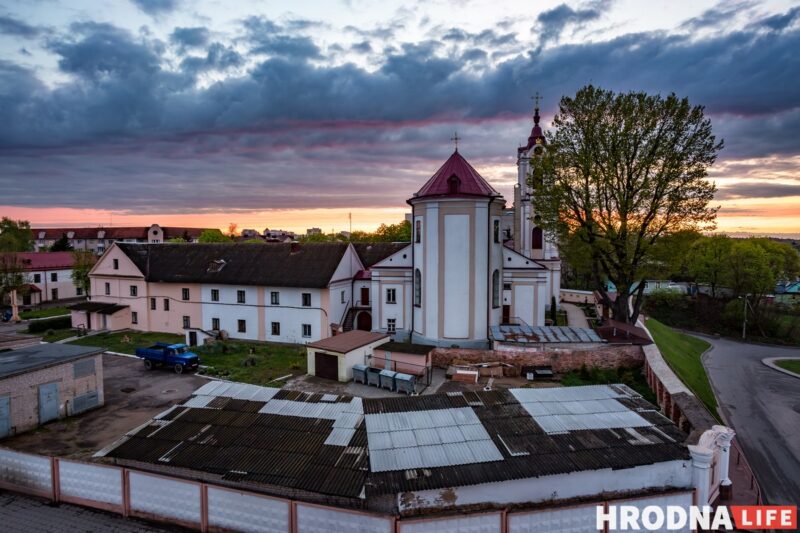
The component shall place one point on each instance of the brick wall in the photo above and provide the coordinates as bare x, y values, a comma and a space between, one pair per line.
23, 391
561, 360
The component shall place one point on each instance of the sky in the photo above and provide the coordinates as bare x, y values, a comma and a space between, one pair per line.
293, 114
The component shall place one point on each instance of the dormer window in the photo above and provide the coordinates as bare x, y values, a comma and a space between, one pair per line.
454, 184
216, 265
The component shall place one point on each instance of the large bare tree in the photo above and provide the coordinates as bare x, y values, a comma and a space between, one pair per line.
622, 171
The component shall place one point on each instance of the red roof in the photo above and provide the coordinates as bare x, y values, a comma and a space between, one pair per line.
536, 133
456, 178
44, 260
131, 232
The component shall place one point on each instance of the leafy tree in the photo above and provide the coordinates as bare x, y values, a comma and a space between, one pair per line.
709, 261
176, 240
233, 230
400, 232
62, 244
626, 170
670, 259
83, 261
12, 276
15, 235
750, 269
213, 235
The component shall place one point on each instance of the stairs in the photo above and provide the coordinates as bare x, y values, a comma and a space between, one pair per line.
349, 320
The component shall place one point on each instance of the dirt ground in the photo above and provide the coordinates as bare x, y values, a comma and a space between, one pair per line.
133, 395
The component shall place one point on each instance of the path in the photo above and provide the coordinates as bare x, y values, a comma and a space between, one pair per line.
575, 315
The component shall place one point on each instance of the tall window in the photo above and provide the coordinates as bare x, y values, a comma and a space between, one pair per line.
54, 276
418, 231
134, 290
215, 324
134, 317
240, 297
306, 299
341, 295
54, 294
185, 294
166, 304
391, 296
152, 304
116, 264
391, 325
537, 239
276, 328
108, 288
496, 289
37, 278
275, 298
214, 295
417, 288
306, 330
186, 322
78, 291
242, 326
496, 231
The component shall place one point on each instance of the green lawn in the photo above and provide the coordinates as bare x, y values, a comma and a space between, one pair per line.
117, 342
222, 359
682, 353
270, 361
44, 313
792, 365
53, 335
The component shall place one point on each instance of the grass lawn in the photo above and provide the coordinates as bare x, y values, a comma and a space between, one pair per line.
116, 342
269, 361
44, 313
792, 365
682, 353
53, 335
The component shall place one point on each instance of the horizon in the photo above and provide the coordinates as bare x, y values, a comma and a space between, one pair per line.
293, 115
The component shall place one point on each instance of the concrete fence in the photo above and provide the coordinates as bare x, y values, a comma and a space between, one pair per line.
206, 507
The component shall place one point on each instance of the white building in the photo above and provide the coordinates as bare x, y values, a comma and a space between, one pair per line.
48, 276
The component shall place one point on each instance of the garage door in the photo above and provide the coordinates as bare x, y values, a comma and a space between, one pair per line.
326, 366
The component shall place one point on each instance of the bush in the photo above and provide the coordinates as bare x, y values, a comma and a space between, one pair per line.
37, 326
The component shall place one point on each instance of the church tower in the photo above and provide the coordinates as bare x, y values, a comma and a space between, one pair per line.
457, 257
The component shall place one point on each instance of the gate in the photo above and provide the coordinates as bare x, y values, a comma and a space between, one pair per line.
48, 402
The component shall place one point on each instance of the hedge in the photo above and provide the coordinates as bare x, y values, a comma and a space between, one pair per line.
62, 322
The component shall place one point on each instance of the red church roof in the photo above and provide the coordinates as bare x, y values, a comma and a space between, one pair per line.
456, 178
536, 134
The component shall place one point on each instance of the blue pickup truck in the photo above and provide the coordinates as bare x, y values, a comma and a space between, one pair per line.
175, 356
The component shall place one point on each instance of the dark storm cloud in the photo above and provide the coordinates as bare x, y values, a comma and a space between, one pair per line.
156, 7
190, 37
781, 22
551, 23
274, 126
757, 189
18, 28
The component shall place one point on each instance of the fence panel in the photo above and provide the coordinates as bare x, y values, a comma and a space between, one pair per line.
163, 497
22, 472
477, 523
581, 519
91, 485
240, 511
314, 519
683, 499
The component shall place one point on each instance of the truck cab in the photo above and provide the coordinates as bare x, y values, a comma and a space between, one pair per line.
175, 356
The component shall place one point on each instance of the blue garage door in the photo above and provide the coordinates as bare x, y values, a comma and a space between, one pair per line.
5, 416
48, 402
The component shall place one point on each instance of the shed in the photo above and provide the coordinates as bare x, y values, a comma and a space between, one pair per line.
334, 357
46, 382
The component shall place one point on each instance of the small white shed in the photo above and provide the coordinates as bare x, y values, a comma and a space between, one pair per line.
334, 357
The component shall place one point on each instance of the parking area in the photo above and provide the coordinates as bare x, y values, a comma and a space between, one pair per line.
133, 395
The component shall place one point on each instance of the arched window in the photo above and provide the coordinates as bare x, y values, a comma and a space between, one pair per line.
496, 289
417, 288
454, 184
537, 239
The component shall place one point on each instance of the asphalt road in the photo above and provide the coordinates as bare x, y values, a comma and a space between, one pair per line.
763, 407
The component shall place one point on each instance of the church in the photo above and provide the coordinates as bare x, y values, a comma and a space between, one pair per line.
472, 263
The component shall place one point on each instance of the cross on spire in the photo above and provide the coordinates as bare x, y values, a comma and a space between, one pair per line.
455, 138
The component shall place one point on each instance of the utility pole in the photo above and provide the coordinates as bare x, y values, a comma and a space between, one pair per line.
744, 322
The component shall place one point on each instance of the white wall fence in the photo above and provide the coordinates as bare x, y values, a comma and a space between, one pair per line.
208, 507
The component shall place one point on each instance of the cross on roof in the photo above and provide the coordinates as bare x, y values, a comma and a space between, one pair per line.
536, 99
455, 138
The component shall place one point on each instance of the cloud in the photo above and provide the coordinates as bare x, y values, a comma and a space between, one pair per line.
362, 48
757, 189
269, 37
218, 57
782, 21
18, 28
190, 37
552, 23
719, 15
156, 7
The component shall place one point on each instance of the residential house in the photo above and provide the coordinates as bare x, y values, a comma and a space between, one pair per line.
48, 277
99, 239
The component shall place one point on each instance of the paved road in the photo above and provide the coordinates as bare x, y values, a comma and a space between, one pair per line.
763, 406
22, 514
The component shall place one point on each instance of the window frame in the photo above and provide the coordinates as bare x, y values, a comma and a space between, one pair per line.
166, 304
214, 295
185, 294
153, 304
241, 296
241, 325
187, 321
305, 299
391, 325
215, 324
304, 328
134, 317
417, 288
274, 298
134, 291
115, 264
391, 291
108, 288
275, 329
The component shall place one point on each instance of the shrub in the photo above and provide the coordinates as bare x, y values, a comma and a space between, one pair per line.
37, 326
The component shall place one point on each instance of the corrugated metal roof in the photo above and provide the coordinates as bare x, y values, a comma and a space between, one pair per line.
543, 334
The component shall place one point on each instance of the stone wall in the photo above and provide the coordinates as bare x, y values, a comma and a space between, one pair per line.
560, 361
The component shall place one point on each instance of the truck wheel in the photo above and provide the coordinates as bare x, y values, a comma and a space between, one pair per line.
148, 364
179, 369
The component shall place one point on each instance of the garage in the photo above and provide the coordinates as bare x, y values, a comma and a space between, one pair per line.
326, 365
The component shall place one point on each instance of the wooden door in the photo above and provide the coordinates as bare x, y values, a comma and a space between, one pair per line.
506, 314
326, 366
364, 295
364, 321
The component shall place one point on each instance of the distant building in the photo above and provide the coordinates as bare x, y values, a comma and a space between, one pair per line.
47, 382
48, 276
314, 231
250, 234
278, 235
787, 292
100, 239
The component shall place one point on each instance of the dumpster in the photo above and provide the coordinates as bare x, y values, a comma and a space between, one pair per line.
405, 383
387, 379
373, 376
360, 374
